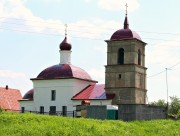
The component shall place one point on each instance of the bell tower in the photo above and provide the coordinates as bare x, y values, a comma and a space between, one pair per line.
125, 72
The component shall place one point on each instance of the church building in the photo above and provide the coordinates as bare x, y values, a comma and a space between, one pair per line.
63, 85
67, 85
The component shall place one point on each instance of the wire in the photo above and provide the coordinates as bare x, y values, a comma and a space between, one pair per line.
165, 33
84, 37
174, 65
48, 34
28, 20
51, 34
163, 70
158, 33
81, 26
156, 74
161, 39
55, 28
29, 32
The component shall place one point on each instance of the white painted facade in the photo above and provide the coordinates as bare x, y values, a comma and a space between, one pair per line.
93, 102
65, 90
28, 105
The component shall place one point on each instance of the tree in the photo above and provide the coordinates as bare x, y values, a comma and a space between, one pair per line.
174, 106
1, 110
160, 102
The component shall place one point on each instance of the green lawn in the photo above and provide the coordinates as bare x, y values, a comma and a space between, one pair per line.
41, 125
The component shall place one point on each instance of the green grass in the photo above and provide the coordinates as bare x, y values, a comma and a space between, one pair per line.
41, 125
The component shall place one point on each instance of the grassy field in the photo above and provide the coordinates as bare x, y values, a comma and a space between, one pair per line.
40, 125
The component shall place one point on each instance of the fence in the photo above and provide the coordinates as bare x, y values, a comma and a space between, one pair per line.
57, 113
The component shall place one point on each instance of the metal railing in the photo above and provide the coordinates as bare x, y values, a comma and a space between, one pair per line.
57, 113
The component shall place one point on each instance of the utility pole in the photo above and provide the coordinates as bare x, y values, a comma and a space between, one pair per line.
167, 90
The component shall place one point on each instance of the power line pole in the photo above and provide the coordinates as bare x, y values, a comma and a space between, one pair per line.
167, 90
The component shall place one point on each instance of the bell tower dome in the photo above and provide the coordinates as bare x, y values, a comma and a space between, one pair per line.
125, 74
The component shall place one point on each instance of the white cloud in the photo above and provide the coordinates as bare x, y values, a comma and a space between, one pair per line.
94, 28
118, 4
15, 13
50, 1
158, 57
17, 80
10, 8
20, 18
164, 53
87, 1
11, 74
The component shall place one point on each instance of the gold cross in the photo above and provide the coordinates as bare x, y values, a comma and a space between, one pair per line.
66, 30
126, 8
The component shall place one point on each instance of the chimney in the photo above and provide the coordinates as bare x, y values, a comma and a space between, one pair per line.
6, 87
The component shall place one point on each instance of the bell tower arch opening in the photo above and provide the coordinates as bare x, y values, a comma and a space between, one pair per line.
121, 56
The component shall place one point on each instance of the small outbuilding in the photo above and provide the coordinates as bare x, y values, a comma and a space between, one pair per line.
9, 99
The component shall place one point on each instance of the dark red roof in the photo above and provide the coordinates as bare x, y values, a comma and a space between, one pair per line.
65, 45
63, 71
9, 98
29, 95
95, 91
125, 33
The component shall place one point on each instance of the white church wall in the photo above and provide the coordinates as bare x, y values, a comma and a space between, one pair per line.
79, 85
28, 105
93, 102
65, 90
100, 102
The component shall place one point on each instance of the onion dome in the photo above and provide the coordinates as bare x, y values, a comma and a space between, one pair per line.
125, 33
62, 71
29, 95
64, 45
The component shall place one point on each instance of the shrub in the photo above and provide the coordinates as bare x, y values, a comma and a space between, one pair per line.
1, 110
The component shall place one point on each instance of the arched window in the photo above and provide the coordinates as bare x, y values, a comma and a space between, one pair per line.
121, 56
139, 57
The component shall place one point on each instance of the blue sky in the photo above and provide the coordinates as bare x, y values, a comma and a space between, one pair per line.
31, 30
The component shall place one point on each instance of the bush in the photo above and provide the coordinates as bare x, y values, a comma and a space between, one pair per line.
1, 110
159, 103
174, 107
